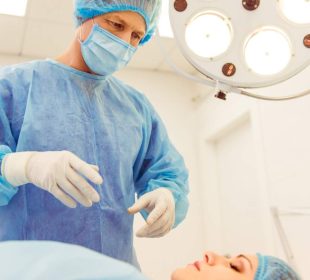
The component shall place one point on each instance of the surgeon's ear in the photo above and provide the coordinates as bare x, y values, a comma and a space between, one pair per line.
83, 31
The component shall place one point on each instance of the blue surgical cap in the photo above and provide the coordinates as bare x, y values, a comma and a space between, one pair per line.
272, 268
148, 9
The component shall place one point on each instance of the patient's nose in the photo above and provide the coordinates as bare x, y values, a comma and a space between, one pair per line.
214, 259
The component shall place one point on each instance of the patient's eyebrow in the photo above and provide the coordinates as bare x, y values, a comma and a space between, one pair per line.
248, 260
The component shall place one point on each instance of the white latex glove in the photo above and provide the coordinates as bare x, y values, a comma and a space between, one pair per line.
161, 208
60, 173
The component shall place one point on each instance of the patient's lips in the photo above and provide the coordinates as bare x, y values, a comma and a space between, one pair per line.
196, 265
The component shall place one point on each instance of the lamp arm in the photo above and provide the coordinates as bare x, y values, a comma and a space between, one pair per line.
283, 238
271, 98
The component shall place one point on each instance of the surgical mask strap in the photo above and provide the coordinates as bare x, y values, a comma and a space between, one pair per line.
80, 37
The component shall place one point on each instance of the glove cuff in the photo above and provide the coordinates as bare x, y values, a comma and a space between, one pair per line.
14, 168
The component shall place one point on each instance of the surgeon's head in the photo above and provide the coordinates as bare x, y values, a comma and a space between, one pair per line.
146, 12
109, 32
241, 267
126, 25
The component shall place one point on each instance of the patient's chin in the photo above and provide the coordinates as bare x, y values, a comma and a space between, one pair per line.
184, 273
176, 275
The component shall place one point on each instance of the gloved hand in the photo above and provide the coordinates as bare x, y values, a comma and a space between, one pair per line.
60, 173
161, 207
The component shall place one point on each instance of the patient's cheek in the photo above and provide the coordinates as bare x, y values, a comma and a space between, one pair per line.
185, 273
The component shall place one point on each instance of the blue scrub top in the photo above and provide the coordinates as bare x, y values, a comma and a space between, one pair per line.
47, 106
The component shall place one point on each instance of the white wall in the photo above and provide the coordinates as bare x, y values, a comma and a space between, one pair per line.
279, 170
286, 138
11, 59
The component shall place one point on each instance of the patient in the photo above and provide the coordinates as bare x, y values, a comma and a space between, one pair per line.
37, 260
242, 267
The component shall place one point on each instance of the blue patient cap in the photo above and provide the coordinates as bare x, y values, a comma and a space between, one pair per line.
148, 9
272, 268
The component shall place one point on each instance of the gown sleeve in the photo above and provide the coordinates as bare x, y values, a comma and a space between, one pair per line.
7, 142
160, 165
14, 82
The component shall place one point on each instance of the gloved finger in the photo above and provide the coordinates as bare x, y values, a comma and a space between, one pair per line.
85, 169
141, 203
146, 232
159, 232
95, 167
142, 231
164, 230
160, 208
159, 225
70, 189
81, 184
62, 197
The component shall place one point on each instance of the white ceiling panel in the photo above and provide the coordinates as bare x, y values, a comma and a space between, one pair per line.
46, 39
51, 10
11, 34
47, 30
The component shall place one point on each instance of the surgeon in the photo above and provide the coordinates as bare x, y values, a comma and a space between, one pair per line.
77, 144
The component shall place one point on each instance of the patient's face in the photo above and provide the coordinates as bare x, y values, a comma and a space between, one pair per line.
215, 267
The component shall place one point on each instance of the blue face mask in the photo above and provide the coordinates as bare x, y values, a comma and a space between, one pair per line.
105, 53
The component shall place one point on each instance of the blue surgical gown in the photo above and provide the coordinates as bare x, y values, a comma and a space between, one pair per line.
46, 260
47, 106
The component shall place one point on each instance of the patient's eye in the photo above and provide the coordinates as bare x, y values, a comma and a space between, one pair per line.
234, 267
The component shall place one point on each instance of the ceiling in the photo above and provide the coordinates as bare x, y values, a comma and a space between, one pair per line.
47, 29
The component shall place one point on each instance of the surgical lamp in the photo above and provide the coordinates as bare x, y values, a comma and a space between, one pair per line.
243, 44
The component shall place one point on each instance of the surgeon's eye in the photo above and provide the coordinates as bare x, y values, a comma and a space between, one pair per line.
115, 24
234, 267
136, 36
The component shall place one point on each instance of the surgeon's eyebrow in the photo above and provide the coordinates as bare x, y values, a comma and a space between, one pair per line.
248, 260
117, 17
